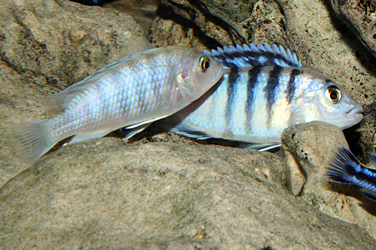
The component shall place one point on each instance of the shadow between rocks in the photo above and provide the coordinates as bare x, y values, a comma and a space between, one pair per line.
364, 56
172, 13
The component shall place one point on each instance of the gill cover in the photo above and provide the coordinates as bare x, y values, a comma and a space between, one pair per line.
188, 89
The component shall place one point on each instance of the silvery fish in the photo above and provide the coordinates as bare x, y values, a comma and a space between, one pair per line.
264, 91
132, 92
346, 169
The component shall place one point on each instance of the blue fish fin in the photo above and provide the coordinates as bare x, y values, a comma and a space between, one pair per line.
255, 55
142, 125
147, 123
369, 194
186, 131
135, 130
30, 140
259, 146
373, 158
84, 137
343, 167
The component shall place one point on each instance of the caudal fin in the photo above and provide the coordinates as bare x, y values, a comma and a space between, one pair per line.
30, 140
344, 167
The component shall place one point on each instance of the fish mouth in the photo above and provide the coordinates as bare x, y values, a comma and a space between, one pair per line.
356, 113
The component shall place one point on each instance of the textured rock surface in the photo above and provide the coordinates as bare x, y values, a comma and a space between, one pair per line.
308, 149
142, 11
208, 24
361, 16
104, 194
313, 145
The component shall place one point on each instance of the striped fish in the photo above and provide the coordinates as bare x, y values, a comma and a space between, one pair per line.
263, 91
346, 169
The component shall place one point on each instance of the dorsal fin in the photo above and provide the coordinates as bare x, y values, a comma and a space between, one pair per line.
255, 55
57, 103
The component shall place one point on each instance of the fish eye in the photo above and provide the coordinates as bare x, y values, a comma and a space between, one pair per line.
204, 63
334, 94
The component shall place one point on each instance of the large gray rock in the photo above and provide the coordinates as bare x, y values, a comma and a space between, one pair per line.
308, 150
104, 194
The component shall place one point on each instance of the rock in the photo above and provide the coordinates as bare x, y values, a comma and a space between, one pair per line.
308, 150
104, 194
312, 145
142, 11
48, 45
208, 24
360, 16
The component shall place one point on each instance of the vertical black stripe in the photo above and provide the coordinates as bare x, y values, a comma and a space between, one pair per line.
253, 75
233, 78
270, 88
290, 90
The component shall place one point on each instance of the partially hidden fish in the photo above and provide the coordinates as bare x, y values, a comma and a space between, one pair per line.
92, 2
346, 169
263, 91
131, 92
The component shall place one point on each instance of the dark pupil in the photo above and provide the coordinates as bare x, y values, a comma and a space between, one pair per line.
205, 64
333, 95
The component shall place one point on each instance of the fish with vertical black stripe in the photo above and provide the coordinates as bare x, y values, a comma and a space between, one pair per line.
346, 169
263, 91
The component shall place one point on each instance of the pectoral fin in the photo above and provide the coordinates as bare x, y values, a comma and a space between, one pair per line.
135, 130
260, 147
186, 131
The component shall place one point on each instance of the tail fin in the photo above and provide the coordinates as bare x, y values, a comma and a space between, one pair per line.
344, 167
30, 140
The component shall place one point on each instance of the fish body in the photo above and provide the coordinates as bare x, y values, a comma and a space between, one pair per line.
254, 104
346, 169
132, 92
93, 2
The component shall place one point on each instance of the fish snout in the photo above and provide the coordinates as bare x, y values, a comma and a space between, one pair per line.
356, 113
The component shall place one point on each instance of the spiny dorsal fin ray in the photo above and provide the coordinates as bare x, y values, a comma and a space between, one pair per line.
255, 55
